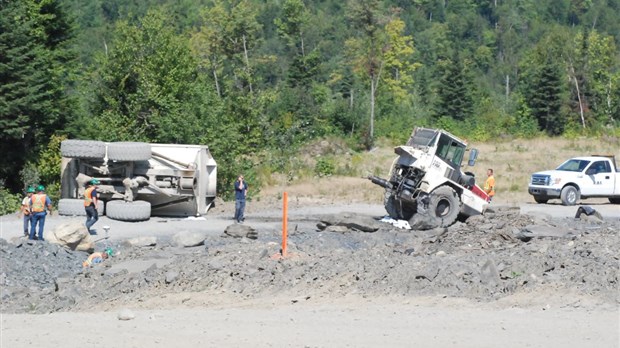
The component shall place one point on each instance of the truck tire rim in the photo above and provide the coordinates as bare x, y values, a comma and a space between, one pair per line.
571, 196
443, 208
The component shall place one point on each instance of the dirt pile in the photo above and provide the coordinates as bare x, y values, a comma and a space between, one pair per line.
485, 258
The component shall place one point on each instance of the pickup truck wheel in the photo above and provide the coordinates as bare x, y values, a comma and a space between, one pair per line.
570, 195
128, 211
540, 200
129, 151
75, 207
444, 206
614, 200
72, 148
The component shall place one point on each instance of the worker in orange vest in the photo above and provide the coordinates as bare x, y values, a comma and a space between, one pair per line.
489, 184
38, 202
90, 204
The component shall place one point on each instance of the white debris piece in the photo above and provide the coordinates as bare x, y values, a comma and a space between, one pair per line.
404, 224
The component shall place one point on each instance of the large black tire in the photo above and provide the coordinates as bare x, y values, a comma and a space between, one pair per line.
614, 200
541, 200
570, 195
75, 207
82, 149
396, 209
128, 211
128, 151
444, 206
390, 205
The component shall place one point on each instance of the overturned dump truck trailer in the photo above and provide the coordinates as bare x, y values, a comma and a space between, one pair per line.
138, 180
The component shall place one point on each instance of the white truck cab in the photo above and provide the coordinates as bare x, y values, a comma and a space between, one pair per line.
578, 178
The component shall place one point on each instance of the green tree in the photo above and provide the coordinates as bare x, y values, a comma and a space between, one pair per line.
35, 67
455, 91
380, 44
544, 97
146, 88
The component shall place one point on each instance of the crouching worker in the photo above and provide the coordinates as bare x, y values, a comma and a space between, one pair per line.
96, 258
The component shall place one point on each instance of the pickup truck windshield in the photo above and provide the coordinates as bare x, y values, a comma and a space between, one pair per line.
573, 165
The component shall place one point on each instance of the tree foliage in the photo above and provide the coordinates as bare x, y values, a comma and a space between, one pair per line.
256, 79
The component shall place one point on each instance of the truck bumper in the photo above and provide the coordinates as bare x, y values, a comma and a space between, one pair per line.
544, 192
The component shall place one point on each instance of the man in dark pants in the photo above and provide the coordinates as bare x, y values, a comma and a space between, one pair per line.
241, 191
26, 210
90, 204
38, 203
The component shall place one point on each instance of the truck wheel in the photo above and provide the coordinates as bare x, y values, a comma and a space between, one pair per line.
75, 207
128, 211
444, 205
570, 195
614, 200
390, 206
82, 148
128, 151
540, 200
396, 209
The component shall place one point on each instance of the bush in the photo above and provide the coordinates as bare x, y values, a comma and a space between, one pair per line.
324, 167
9, 203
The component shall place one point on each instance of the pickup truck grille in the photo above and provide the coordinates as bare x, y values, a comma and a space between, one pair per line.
542, 180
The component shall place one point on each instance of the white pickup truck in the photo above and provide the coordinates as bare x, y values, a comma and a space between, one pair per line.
578, 178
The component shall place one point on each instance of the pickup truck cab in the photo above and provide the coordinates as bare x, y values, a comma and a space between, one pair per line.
578, 178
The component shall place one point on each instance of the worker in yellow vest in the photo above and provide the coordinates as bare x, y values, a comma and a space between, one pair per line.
90, 204
38, 202
489, 184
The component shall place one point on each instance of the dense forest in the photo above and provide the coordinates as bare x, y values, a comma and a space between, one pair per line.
255, 79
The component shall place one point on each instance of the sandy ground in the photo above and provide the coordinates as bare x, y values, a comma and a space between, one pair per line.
350, 322
193, 319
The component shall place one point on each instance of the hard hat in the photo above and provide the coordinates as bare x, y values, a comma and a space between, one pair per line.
95, 182
30, 189
40, 188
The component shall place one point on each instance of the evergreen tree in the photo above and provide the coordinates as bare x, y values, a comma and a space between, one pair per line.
34, 66
455, 91
544, 98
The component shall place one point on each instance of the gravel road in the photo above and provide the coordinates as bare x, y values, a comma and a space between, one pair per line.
528, 275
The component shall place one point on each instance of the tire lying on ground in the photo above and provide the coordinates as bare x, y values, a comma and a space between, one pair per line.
82, 148
75, 207
129, 151
128, 211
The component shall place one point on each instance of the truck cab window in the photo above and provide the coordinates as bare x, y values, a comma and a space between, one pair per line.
449, 150
600, 167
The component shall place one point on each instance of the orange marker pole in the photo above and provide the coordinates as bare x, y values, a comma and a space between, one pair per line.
284, 222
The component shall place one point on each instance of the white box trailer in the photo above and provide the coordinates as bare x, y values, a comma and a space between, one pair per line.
138, 179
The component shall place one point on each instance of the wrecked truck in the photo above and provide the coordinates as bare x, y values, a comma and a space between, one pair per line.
426, 185
138, 179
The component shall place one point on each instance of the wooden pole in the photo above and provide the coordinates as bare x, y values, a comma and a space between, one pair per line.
284, 222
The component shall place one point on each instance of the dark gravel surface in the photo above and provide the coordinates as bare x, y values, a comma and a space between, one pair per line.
485, 258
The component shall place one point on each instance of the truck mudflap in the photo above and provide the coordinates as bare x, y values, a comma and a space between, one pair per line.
473, 204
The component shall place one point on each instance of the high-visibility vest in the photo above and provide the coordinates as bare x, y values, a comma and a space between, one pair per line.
489, 186
88, 196
38, 202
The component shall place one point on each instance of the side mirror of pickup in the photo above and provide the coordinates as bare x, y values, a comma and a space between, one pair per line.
473, 155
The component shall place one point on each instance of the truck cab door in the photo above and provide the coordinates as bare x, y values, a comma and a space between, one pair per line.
600, 176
